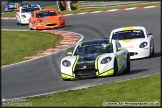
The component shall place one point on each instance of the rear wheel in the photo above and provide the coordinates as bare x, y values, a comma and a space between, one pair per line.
115, 68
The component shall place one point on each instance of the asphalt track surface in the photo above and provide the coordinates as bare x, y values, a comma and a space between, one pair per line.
43, 75
41, 3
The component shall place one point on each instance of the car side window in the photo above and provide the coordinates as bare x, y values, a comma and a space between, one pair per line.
118, 45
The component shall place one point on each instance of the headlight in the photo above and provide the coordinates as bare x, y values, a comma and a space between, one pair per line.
23, 16
39, 21
60, 18
105, 60
66, 63
143, 44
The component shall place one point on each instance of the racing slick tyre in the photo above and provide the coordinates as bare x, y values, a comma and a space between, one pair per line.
151, 53
17, 23
66, 79
30, 26
128, 64
21, 23
35, 27
115, 68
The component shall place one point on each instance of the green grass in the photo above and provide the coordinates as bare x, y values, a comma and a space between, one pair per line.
16, 45
145, 89
12, 14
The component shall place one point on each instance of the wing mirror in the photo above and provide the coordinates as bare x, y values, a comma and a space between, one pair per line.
150, 34
69, 53
119, 48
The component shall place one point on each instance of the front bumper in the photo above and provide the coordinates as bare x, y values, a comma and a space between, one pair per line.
139, 53
24, 21
45, 26
87, 73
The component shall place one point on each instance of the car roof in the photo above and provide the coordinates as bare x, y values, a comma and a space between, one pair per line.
46, 10
34, 4
95, 41
26, 6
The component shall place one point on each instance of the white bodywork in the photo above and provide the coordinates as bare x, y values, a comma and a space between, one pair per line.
132, 45
122, 61
23, 18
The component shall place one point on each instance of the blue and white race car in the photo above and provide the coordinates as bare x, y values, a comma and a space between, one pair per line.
95, 58
12, 5
25, 12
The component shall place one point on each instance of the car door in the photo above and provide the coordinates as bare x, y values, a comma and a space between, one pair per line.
121, 56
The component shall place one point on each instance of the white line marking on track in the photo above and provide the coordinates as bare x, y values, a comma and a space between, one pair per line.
150, 7
130, 8
113, 10
96, 12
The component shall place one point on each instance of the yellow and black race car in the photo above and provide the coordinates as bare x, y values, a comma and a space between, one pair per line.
95, 58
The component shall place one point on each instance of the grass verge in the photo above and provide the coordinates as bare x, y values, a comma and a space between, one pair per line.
12, 14
145, 89
16, 45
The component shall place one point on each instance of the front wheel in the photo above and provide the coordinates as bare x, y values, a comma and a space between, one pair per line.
17, 22
151, 53
66, 79
115, 68
128, 65
30, 26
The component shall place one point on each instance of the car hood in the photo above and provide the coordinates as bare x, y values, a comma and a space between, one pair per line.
86, 60
27, 14
51, 19
131, 43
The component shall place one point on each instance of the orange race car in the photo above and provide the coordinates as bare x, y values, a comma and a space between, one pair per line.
46, 19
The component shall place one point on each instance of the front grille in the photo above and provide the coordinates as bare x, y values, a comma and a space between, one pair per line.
84, 73
51, 24
133, 53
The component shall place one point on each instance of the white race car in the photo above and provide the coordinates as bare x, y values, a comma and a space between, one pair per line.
95, 58
136, 39
24, 13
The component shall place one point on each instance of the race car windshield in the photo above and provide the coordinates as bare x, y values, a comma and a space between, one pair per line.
128, 34
46, 13
94, 49
31, 9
